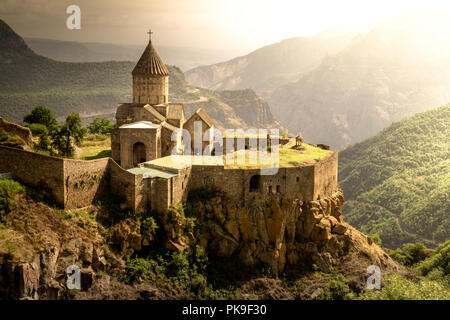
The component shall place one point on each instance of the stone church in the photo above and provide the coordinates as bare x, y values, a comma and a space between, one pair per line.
145, 126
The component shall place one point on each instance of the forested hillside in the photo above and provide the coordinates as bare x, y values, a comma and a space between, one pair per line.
28, 80
397, 183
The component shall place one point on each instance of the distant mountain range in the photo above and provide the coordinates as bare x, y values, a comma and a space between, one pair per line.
71, 51
269, 67
95, 89
397, 183
341, 90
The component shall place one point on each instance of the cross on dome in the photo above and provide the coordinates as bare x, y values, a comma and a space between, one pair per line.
150, 32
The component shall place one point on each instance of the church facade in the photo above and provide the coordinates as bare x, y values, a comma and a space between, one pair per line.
147, 128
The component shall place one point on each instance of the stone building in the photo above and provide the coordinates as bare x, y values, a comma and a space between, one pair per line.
145, 127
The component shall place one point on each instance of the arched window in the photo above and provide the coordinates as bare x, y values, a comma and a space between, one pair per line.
255, 183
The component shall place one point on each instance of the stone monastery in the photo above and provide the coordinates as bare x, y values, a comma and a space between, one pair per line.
145, 127
147, 176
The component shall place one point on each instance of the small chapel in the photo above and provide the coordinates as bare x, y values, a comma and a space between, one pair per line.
145, 127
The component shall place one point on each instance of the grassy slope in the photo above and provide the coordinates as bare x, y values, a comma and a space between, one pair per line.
397, 183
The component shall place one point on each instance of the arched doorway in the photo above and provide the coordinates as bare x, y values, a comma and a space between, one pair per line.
138, 153
255, 183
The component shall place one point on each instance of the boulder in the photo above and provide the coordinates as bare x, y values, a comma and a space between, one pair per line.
340, 229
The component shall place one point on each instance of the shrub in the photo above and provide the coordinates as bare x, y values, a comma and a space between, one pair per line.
410, 254
8, 189
376, 238
191, 222
38, 129
336, 289
438, 260
142, 269
398, 288
149, 223
9, 139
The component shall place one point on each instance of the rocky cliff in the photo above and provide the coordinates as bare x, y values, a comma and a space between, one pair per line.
38, 243
284, 234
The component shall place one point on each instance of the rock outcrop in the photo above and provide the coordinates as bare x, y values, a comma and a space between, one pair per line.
285, 234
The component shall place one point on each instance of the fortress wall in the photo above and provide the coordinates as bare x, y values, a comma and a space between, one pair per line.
236, 182
180, 185
36, 170
299, 182
160, 194
85, 181
325, 177
115, 144
291, 182
123, 183
228, 180
141, 194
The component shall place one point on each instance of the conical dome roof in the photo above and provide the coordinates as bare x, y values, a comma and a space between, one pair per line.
150, 63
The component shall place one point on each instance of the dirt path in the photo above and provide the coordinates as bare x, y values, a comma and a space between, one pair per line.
200, 99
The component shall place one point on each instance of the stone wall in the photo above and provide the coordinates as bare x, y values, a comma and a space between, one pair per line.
85, 181
128, 137
325, 177
293, 182
115, 145
70, 183
160, 194
180, 185
128, 186
78, 183
151, 90
39, 171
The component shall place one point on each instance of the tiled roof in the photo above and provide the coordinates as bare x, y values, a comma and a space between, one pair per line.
154, 112
150, 63
175, 111
204, 116
168, 126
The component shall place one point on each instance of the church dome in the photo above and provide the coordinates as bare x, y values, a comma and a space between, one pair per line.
150, 63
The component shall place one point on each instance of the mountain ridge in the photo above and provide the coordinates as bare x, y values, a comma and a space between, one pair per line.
259, 70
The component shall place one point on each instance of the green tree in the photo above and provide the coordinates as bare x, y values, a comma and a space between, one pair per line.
100, 126
41, 115
410, 254
64, 137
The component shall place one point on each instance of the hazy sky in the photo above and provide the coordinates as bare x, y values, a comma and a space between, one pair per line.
241, 25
